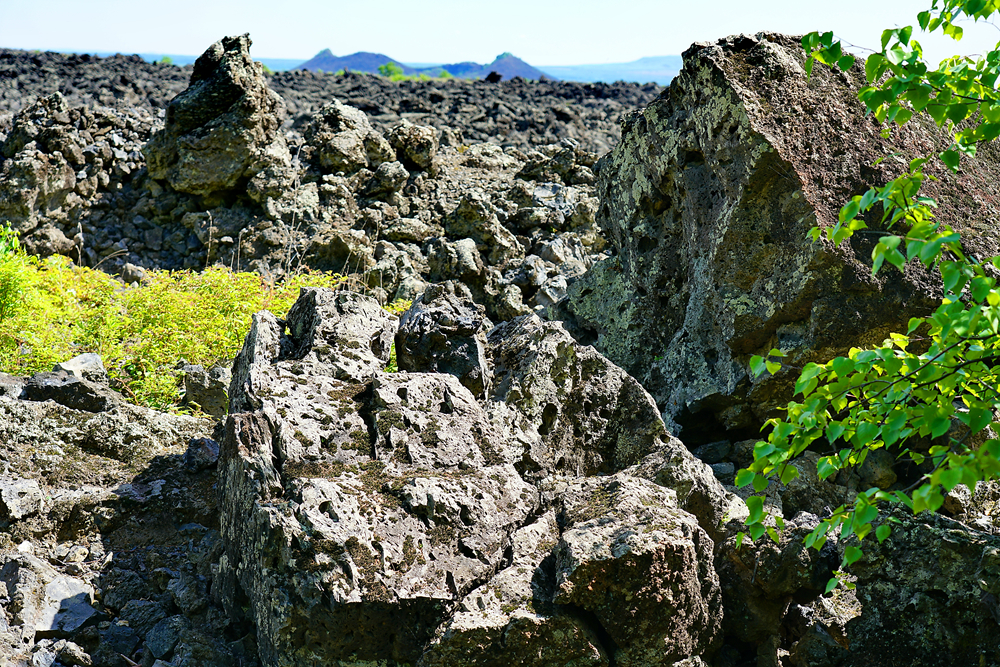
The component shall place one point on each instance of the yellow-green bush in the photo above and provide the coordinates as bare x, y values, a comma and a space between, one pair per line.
140, 332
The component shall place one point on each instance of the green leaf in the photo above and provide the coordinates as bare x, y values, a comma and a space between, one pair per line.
789, 474
874, 67
951, 158
756, 506
739, 539
832, 584
882, 532
843, 366
845, 62
744, 477
852, 554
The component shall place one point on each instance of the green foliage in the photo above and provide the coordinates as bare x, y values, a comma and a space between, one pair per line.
266, 69
140, 332
392, 71
166, 60
397, 307
445, 74
12, 272
930, 395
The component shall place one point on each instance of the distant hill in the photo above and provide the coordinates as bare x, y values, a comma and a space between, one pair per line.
506, 64
362, 61
273, 64
660, 69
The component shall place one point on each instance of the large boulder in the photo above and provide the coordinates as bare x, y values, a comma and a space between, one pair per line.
38, 175
223, 129
355, 502
708, 200
573, 411
511, 619
630, 556
340, 138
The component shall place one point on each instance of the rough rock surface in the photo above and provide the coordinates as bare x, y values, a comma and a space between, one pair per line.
222, 128
224, 184
444, 331
642, 566
928, 594
513, 499
358, 502
708, 200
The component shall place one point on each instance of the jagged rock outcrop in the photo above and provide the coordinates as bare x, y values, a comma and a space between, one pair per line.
341, 139
708, 200
928, 593
357, 502
223, 128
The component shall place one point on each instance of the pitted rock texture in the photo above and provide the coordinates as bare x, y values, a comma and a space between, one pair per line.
642, 566
708, 200
393, 206
354, 505
574, 411
221, 129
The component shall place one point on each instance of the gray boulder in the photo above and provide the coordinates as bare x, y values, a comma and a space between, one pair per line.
88, 366
223, 129
208, 390
20, 498
933, 588
340, 138
415, 145
475, 217
444, 331
643, 567
71, 391
570, 409
511, 619
384, 498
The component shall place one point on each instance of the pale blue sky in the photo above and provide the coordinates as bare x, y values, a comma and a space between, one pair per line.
542, 32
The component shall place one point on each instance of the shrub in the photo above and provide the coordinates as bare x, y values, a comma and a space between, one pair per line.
140, 332
12, 272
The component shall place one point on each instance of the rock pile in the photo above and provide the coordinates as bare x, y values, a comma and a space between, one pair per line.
218, 182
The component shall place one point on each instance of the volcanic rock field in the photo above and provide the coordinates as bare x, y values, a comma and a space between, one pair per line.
548, 478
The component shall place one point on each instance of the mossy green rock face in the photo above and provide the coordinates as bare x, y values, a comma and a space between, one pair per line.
708, 200
929, 596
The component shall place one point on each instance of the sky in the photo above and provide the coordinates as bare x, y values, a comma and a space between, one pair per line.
541, 32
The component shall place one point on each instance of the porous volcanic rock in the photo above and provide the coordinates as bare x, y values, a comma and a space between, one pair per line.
220, 130
357, 502
708, 200
929, 594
